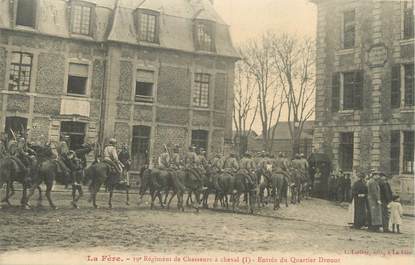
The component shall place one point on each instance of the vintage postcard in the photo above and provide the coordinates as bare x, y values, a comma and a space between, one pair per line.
207, 132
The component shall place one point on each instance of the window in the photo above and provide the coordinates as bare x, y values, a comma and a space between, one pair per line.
409, 84
408, 19
204, 36
148, 27
395, 151
77, 79
144, 86
346, 151
81, 14
200, 138
201, 90
140, 146
347, 91
349, 29
15, 126
402, 86
20, 71
76, 133
408, 152
26, 13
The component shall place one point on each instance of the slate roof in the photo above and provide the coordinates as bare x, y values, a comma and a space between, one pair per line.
115, 22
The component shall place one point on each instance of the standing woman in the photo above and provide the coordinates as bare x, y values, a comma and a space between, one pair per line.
359, 193
375, 203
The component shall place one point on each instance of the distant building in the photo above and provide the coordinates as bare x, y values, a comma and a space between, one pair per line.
365, 87
282, 140
148, 72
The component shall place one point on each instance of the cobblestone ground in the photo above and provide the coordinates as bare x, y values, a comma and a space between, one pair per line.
314, 225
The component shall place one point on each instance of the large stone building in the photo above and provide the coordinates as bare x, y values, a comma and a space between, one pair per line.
365, 87
147, 72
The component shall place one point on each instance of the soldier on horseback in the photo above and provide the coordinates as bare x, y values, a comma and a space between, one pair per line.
231, 164
190, 157
164, 159
247, 167
176, 161
65, 158
21, 153
111, 158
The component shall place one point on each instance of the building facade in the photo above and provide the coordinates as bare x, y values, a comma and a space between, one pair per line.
365, 87
149, 73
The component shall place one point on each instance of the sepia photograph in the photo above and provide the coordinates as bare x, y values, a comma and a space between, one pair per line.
207, 132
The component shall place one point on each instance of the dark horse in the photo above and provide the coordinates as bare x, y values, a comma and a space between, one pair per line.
279, 188
187, 180
10, 171
100, 173
243, 183
50, 171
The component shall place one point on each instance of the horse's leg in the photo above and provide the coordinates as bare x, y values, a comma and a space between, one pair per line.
40, 198
127, 190
274, 196
189, 200
171, 198
197, 197
49, 186
166, 196
180, 196
95, 189
215, 203
160, 199
9, 186
111, 191
153, 197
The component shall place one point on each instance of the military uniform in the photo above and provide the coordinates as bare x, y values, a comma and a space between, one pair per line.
231, 164
164, 160
190, 159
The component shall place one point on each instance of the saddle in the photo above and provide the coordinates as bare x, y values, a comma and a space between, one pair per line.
114, 170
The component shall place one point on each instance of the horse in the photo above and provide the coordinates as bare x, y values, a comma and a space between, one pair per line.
296, 186
223, 186
100, 173
48, 172
279, 188
190, 180
244, 184
208, 180
10, 171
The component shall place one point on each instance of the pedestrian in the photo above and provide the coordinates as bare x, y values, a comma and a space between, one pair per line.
375, 204
359, 194
386, 197
396, 212
347, 187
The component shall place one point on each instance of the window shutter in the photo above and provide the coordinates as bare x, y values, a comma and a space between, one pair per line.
396, 86
395, 145
409, 85
358, 90
335, 93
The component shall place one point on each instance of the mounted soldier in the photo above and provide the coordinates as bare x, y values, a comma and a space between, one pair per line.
65, 156
124, 157
176, 161
164, 159
111, 158
247, 167
191, 157
201, 161
231, 164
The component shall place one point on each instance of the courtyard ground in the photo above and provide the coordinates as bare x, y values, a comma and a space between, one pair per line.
314, 226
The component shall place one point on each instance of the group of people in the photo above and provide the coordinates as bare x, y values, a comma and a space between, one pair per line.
339, 187
197, 158
374, 205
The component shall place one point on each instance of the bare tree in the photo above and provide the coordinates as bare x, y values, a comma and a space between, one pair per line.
294, 62
245, 105
258, 57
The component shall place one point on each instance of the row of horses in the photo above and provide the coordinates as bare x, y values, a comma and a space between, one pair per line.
198, 184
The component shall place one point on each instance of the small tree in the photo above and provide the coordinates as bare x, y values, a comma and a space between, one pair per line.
258, 57
294, 62
245, 105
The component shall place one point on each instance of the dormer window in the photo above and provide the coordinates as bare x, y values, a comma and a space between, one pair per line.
26, 13
148, 23
81, 18
204, 36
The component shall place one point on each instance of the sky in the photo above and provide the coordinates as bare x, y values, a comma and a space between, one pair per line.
251, 18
